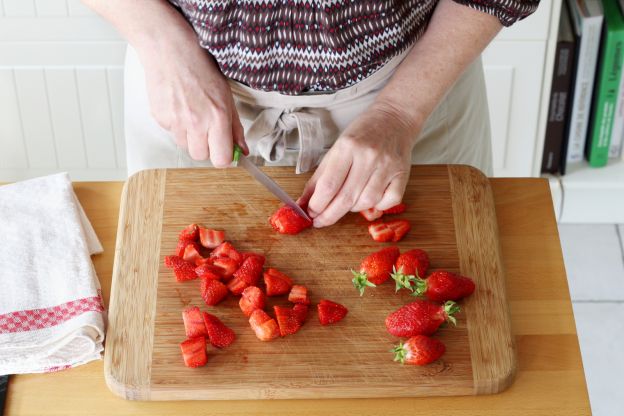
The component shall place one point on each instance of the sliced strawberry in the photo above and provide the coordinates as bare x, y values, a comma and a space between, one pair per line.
286, 221
189, 234
299, 294
182, 269
380, 232
211, 238
194, 323
208, 271
287, 320
330, 312
191, 253
371, 214
301, 312
264, 326
212, 291
203, 260
180, 247
226, 265
251, 270
277, 283
226, 249
194, 352
400, 228
252, 298
220, 335
236, 286
397, 209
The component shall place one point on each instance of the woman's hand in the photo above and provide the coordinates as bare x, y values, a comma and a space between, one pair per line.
368, 166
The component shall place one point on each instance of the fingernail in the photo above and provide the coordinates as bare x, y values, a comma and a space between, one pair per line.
318, 224
312, 214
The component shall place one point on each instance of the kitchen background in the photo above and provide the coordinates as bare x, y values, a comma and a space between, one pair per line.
61, 109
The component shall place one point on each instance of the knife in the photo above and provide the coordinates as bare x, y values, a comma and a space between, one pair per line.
240, 160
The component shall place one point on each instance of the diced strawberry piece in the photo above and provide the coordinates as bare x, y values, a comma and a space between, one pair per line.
194, 323
287, 320
250, 254
180, 247
330, 312
194, 352
182, 269
277, 283
191, 253
203, 260
211, 238
380, 232
212, 291
252, 298
251, 270
264, 326
236, 286
226, 249
208, 271
227, 265
399, 227
286, 221
299, 294
189, 234
371, 214
397, 209
220, 335
301, 312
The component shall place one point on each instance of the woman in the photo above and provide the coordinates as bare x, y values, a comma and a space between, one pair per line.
358, 90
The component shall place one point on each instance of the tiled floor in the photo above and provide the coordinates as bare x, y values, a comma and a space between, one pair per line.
594, 259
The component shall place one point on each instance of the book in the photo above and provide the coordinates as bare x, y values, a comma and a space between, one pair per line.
560, 93
606, 91
617, 133
587, 18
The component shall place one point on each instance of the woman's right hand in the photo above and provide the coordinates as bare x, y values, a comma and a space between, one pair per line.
190, 97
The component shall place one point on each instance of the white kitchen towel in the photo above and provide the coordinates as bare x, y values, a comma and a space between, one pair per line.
51, 311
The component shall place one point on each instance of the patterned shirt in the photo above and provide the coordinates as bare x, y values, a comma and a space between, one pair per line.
302, 46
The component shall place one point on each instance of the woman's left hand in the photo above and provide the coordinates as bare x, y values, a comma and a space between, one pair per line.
368, 166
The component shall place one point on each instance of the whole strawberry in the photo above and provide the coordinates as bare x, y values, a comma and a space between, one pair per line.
410, 265
422, 317
375, 268
418, 350
286, 221
441, 286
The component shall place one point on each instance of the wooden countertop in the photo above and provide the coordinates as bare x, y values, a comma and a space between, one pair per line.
550, 379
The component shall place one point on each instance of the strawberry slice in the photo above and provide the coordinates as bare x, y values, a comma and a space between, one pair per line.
301, 312
212, 291
299, 294
226, 265
252, 298
194, 352
182, 269
277, 283
264, 326
181, 246
286, 221
220, 335
397, 209
236, 286
194, 323
211, 238
287, 320
191, 253
399, 227
189, 234
330, 312
371, 214
226, 249
251, 253
251, 270
380, 232
208, 271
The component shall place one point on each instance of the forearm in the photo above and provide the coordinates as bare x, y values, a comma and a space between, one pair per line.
456, 35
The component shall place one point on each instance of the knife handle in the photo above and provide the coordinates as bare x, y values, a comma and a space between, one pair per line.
237, 154
4, 384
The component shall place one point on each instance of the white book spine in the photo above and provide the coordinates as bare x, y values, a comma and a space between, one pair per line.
617, 134
583, 88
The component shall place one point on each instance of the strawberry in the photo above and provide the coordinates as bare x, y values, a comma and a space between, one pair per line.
380, 232
194, 323
286, 221
301, 312
264, 326
182, 269
287, 320
181, 246
410, 265
250, 254
220, 335
400, 228
276, 282
211, 238
441, 286
191, 253
212, 291
194, 352
330, 312
251, 270
371, 214
299, 294
418, 350
253, 298
236, 286
226, 249
226, 266
397, 209
208, 271
189, 234
204, 260
422, 317
375, 268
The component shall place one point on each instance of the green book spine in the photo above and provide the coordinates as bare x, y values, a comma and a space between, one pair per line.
609, 74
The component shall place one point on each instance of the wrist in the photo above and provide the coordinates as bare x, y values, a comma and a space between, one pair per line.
407, 124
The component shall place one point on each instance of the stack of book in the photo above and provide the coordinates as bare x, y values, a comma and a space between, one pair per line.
586, 113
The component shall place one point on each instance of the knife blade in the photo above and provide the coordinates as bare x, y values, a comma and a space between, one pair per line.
264, 179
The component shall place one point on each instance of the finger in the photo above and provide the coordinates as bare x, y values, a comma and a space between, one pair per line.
372, 192
179, 136
220, 142
197, 140
394, 192
333, 172
308, 189
346, 197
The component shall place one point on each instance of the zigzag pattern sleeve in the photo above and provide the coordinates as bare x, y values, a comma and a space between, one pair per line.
508, 12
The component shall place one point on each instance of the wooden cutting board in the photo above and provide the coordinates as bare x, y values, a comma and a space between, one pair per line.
452, 214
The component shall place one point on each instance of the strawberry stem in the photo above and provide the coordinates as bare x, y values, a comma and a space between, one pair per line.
451, 308
420, 287
400, 352
402, 280
360, 281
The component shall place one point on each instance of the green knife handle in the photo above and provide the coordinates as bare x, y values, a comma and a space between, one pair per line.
237, 154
